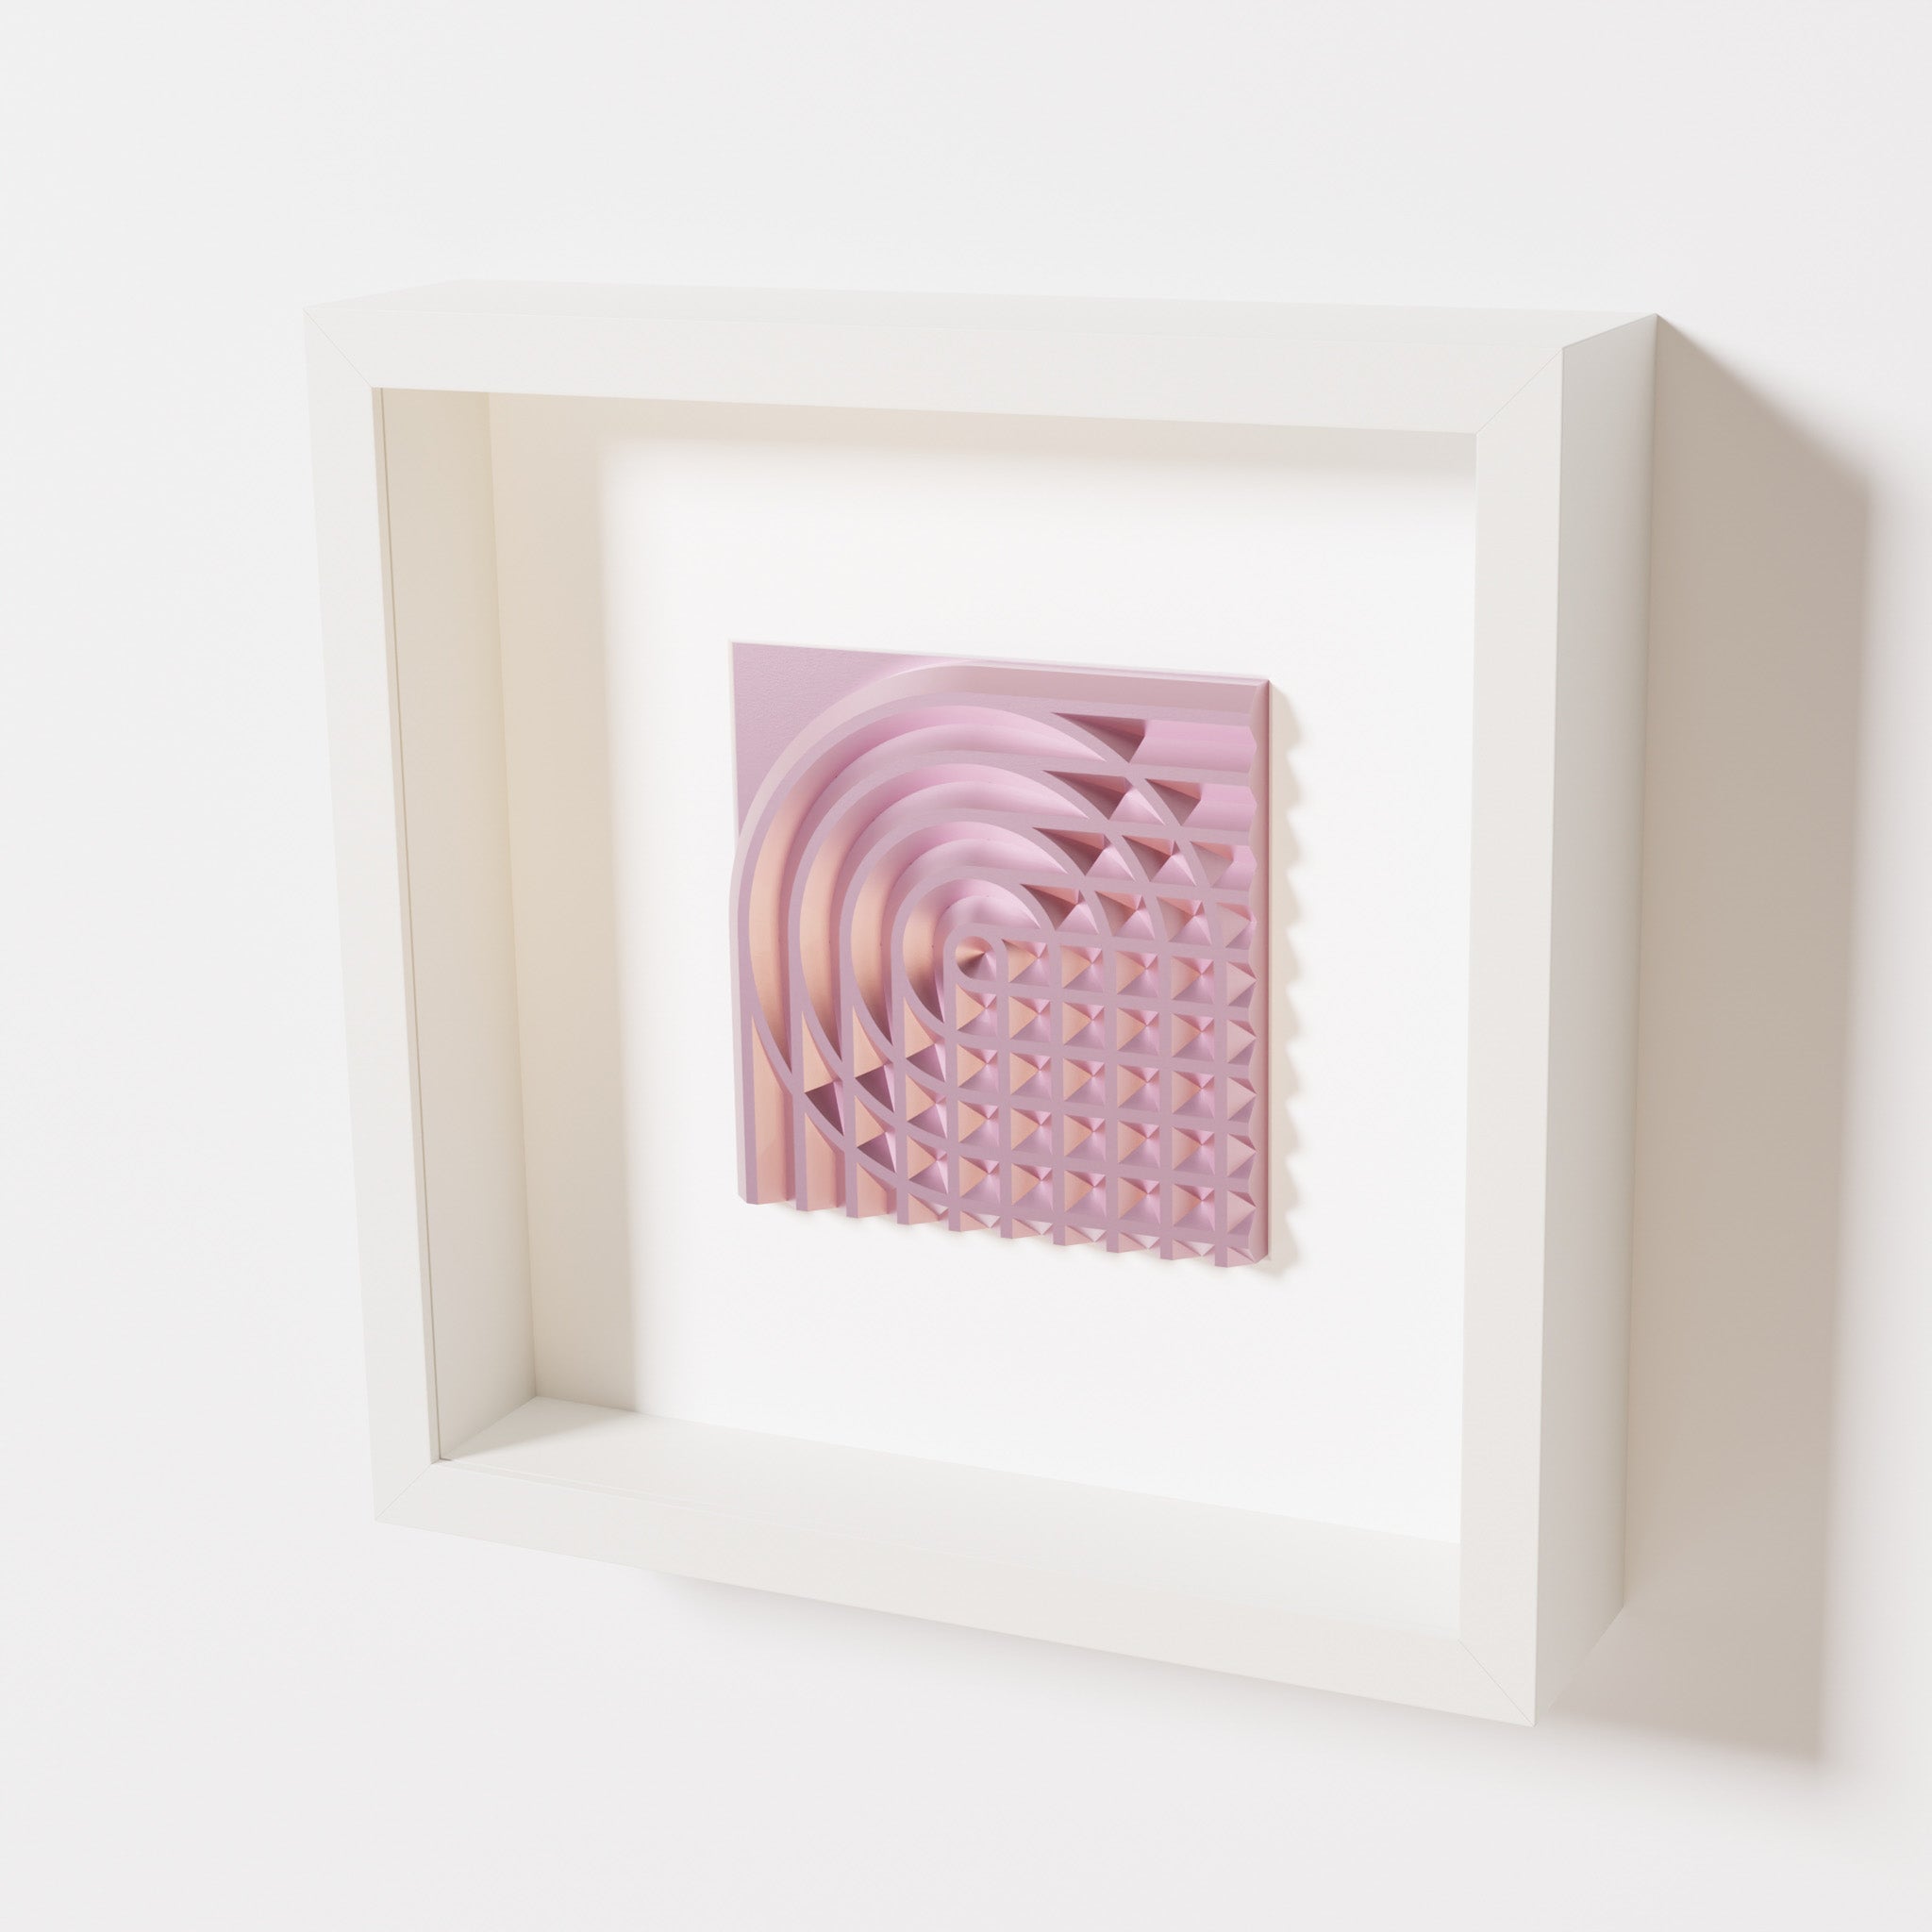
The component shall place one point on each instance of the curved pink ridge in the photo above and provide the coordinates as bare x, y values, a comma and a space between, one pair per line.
1000, 946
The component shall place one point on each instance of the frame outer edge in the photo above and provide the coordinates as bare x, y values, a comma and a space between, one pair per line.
1562, 576
1602, 635
904, 1579
1553, 870
1518, 459
372, 886
954, 363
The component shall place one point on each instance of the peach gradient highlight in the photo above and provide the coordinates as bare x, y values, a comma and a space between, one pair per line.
1000, 946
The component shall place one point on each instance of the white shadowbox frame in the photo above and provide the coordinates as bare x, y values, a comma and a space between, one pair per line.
1560, 408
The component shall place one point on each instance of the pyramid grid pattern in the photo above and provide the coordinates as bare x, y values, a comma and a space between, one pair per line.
1001, 952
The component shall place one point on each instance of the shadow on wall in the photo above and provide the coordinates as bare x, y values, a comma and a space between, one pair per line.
1757, 642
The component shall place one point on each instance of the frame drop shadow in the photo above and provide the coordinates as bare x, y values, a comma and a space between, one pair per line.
1756, 664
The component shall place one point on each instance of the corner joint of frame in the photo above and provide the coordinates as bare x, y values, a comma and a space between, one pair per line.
1516, 1713
1554, 360
320, 332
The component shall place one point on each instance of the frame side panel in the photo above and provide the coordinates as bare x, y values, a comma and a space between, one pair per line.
449, 692
1510, 873
372, 888
953, 363
792, 1552
1600, 679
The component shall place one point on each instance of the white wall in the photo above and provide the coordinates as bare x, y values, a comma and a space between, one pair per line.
226, 1699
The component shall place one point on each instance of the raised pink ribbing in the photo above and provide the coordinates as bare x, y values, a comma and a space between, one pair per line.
1001, 948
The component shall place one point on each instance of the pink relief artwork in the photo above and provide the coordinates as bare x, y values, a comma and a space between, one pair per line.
1000, 944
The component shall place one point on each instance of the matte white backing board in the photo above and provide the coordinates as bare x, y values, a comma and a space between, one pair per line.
635, 541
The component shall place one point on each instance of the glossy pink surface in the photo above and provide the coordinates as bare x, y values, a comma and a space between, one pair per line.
1001, 940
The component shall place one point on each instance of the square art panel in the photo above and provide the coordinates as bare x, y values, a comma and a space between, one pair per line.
1000, 945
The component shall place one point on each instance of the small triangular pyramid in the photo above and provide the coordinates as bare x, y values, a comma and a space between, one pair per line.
1179, 799
1121, 736
1103, 794
1081, 848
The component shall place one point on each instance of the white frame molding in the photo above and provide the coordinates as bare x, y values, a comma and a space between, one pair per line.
1559, 407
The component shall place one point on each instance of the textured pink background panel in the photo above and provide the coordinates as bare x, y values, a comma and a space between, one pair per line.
1000, 941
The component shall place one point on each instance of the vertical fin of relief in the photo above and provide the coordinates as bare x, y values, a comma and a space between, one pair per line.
825, 1167
771, 1169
